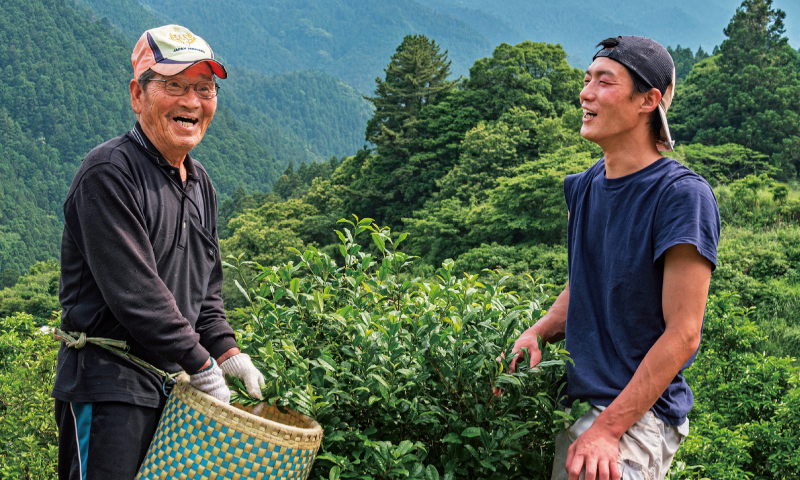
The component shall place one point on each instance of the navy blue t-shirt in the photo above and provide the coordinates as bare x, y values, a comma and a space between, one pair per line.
618, 232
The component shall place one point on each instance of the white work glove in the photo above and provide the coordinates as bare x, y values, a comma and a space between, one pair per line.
212, 381
242, 367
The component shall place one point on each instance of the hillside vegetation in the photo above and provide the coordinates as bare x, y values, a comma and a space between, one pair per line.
471, 172
376, 290
348, 39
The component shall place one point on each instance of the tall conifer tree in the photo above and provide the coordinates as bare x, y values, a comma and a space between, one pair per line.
416, 74
748, 94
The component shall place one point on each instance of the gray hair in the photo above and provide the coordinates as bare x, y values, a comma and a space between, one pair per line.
145, 78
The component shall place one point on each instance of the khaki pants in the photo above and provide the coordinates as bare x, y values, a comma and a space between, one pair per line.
645, 451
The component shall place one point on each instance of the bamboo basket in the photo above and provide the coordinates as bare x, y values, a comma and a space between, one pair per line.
199, 437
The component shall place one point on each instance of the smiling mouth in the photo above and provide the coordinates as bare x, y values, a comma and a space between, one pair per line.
185, 121
588, 114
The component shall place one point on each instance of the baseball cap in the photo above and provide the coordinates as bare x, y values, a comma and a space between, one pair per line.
171, 49
653, 64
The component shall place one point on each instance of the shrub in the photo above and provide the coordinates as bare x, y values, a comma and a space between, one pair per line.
742, 424
35, 292
400, 372
28, 433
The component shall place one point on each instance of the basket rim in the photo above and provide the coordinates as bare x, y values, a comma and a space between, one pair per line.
314, 430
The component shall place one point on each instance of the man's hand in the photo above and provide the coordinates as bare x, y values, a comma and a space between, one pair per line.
596, 450
211, 381
242, 367
529, 340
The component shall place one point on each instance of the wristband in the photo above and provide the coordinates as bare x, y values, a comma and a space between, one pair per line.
207, 368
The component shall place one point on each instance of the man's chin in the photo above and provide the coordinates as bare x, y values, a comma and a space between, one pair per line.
185, 142
588, 134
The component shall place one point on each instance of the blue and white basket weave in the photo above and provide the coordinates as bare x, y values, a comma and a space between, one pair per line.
201, 438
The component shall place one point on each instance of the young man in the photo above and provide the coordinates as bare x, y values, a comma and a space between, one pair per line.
140, 263
642, 238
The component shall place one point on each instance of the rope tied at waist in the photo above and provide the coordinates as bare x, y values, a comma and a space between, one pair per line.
78, 340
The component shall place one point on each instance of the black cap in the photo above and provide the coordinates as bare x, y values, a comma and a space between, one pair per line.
653, 64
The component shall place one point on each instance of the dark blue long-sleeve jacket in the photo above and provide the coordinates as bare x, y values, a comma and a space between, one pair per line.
140, 262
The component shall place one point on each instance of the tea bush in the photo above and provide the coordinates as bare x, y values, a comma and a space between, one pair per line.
745, 417
28, 434
398, 371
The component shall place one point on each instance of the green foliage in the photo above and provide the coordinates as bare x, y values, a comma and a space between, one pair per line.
508, 92
757, 202
684, 60
724, 163
268, 232
416, 74
297, 184
507, 186
529, 204
762, 267
747, 94
398, 371
531, 75
35, 293
739, 426
28, 433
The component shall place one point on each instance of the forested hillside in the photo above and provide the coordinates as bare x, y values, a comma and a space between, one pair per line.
472, 171
579, 24
348, 39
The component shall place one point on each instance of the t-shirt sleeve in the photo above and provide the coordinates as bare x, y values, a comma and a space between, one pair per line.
687, 213
569, 182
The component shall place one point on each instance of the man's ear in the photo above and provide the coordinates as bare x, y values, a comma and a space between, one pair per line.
137, 96
650, 100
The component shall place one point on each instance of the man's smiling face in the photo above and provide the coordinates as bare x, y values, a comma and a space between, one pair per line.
609, 109
175, 124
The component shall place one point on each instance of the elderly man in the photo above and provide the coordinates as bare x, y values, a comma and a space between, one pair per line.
140, 263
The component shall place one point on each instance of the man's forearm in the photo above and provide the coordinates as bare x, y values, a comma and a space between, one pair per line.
659, 367
686, 279
552, 326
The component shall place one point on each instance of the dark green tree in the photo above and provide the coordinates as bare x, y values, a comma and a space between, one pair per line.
684, 60
749, 94
533, 75
415, 76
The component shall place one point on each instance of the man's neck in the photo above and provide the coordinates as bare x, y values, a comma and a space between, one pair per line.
629, 155
174, 159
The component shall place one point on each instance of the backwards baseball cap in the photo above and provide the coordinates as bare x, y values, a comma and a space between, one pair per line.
653, 65
171, 49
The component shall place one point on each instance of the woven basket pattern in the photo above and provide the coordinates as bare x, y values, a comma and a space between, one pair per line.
199, 437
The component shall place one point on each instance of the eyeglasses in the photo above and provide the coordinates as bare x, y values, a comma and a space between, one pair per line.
178, 87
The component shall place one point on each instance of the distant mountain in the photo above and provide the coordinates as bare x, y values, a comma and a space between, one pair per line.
578, 25
348, 39
322, 114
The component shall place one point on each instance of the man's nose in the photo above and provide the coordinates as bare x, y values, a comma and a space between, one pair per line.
190, 98
587, 93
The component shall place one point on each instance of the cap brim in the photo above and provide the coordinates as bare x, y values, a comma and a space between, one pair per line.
169, 69
665, 142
